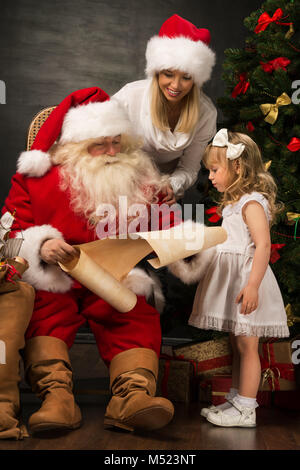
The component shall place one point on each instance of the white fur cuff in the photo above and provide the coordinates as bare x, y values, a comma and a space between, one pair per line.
42, 276
142, 283
193, 271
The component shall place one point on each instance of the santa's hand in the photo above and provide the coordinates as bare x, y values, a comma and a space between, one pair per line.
57, 251
169, 198
249, 298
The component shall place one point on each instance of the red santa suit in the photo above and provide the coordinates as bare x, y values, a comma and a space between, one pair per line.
42, 212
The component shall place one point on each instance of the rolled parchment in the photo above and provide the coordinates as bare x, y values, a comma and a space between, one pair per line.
90, 274
101, 265
182, 241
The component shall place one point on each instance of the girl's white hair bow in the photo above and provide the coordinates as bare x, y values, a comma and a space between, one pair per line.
233, 150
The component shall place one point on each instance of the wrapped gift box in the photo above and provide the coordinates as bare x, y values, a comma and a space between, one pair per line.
296, 359
211, 357
288, 400
220, 385
204, 391
278, 370
216, 388
176, 379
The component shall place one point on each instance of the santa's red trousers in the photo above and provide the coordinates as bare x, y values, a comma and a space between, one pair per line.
60, 315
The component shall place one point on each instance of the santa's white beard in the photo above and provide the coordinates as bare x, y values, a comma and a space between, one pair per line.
94, 181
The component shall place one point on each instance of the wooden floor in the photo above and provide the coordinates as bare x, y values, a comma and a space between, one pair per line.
276, 429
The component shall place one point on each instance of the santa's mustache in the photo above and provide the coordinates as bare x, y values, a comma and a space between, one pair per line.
100, 161
107, 159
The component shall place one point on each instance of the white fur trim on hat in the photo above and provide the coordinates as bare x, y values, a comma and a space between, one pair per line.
180, 53
95, 120
42, 276
34, 163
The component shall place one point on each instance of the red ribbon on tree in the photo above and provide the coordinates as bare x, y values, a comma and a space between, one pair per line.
264, 20
215, 217
242, 86
278, 63
294, 144
274, 252
250, 126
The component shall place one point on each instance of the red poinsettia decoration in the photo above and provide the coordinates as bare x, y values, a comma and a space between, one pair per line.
250, 126
215, 217
294, 144
278, 63
274, 252
242, 86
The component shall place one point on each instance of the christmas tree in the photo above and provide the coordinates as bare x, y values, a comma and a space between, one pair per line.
263, 100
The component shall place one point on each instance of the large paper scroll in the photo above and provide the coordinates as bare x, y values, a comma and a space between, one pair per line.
102, 265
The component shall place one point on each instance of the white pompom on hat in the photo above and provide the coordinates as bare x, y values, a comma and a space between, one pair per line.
180, 45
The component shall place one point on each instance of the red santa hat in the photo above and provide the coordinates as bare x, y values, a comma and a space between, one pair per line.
84, 114
180, 45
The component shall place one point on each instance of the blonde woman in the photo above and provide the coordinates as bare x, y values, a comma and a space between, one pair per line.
238, 291
169, 109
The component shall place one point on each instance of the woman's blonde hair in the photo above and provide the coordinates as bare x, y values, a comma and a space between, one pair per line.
252, 175
190, 111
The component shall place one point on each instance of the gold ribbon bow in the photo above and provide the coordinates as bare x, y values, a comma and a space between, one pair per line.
271, 110
290, 32
292, 216
267, 165
291, 319
270, 374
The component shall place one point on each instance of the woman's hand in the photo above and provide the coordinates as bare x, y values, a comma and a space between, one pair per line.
57, 251
168, 194
250, 299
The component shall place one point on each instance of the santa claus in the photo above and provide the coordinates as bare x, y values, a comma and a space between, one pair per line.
83, 156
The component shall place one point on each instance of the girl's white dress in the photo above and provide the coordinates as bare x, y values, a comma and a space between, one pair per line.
227, 274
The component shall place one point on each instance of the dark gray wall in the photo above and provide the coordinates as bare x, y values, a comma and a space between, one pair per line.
50, 48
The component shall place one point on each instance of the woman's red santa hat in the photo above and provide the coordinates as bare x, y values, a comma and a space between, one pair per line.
84, 114
180, 45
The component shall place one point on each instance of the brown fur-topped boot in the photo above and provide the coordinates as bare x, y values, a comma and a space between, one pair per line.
48, 371
16, 305
133, 406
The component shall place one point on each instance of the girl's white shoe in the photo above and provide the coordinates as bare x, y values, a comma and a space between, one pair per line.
223, 406
204, 412
246, 417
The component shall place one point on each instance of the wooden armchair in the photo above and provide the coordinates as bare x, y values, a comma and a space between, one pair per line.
36, 124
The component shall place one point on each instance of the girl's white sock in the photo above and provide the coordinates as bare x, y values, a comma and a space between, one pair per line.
243, 401
230, 395
246, 401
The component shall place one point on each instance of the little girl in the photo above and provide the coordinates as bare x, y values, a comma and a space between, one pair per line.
238, 291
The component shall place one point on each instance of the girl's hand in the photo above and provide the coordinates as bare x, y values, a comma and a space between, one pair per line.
168, 192
250, 299
57, 251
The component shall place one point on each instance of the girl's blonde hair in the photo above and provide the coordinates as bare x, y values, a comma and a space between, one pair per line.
189, 113
252, 175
